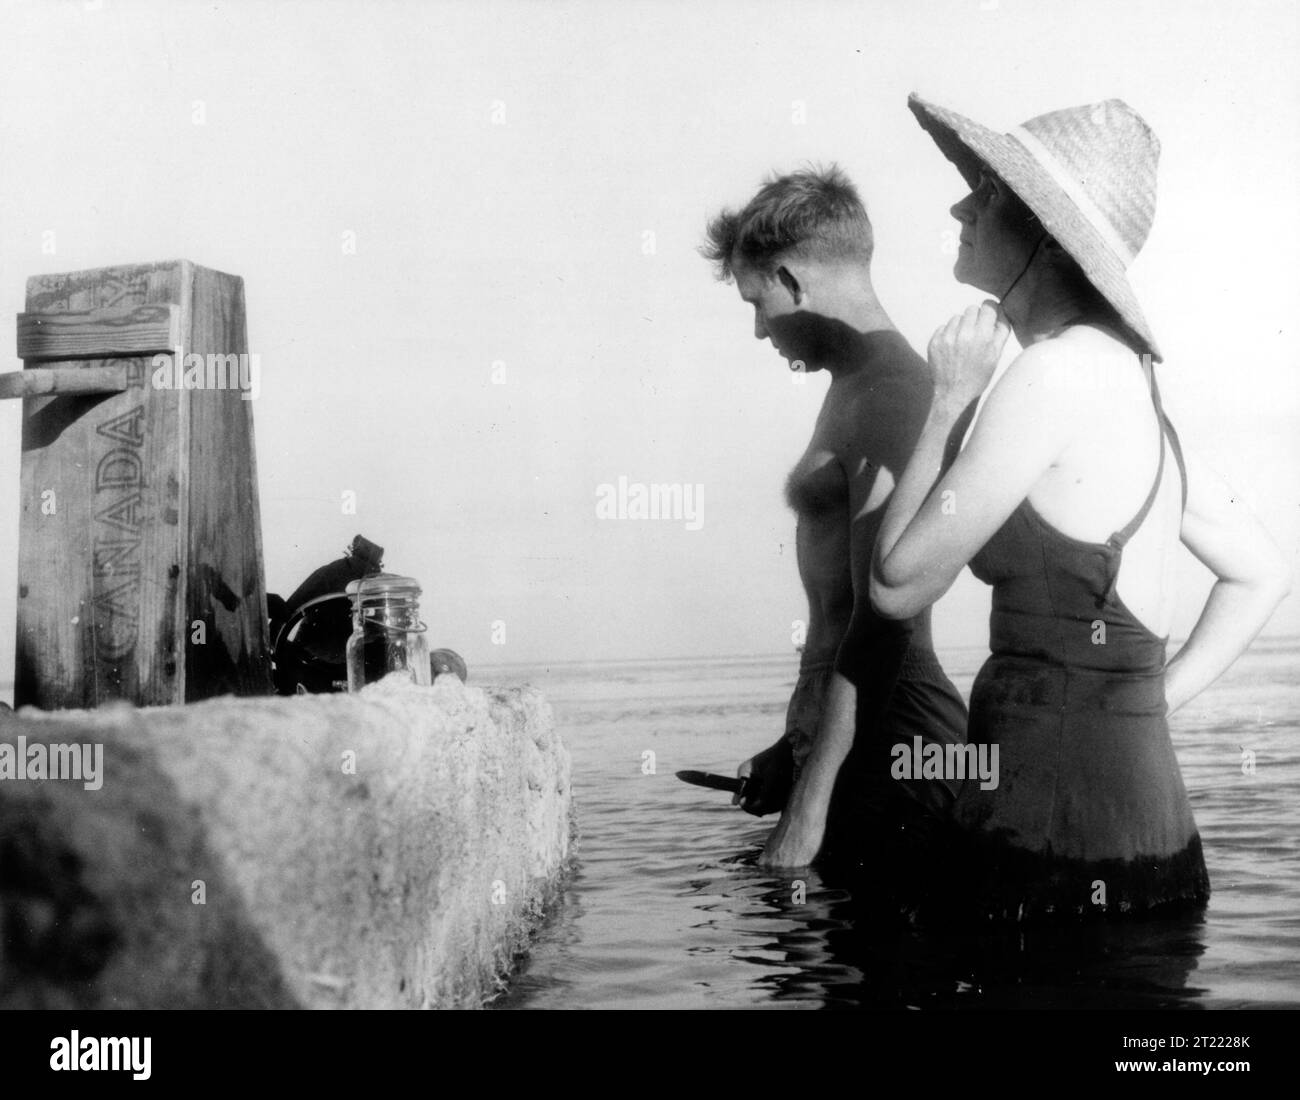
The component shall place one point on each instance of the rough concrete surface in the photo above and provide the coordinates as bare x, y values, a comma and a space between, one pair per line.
389, 849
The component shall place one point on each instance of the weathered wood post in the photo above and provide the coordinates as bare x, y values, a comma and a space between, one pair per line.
140, 550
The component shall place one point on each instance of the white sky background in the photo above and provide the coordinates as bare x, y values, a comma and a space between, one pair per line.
500, 165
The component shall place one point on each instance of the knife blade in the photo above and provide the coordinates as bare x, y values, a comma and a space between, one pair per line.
716, 782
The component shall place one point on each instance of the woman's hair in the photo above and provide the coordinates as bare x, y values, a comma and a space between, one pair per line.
1018, 212
814, 212
1088, 296
1066, 267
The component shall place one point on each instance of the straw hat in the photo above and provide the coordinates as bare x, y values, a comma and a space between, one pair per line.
1088, 173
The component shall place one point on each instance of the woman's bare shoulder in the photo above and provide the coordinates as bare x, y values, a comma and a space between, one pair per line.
1081, 368
1054, 389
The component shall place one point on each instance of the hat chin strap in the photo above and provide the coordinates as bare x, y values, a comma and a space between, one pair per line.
1024, 270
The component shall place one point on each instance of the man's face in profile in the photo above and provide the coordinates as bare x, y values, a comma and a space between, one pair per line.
773, 301
785, 314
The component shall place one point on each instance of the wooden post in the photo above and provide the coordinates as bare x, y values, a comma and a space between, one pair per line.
140, 550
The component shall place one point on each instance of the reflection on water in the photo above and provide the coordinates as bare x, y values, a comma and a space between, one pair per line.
666, 908
841, 954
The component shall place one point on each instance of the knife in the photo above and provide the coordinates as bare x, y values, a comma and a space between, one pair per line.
708, 779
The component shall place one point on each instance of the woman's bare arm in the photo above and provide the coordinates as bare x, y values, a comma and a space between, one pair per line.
937, 521
1252, 579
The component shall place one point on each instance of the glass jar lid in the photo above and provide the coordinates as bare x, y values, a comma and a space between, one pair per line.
386, 587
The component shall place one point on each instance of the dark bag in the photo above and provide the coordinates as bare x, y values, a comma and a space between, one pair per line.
310, 630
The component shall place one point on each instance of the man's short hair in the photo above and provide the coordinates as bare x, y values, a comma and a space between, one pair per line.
814, 213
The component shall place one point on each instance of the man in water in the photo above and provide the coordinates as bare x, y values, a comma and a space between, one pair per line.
800, 254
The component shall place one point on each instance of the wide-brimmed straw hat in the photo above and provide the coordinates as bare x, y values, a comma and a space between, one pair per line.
1088, 173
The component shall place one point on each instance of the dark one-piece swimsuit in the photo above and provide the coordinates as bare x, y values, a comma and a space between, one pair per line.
1090, 815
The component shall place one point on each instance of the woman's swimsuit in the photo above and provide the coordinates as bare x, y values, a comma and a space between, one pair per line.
1089, 814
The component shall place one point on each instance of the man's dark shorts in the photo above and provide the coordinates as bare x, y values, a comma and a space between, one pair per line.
893, 828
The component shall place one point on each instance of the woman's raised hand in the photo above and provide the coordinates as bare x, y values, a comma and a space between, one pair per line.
964, 353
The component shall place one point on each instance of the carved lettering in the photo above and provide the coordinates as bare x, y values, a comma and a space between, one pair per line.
120, 515
118, 469
126, 514
127, 428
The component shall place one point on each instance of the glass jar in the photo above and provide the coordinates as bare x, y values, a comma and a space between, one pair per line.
387, 635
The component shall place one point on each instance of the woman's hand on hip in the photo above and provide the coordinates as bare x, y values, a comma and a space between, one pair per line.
964, 353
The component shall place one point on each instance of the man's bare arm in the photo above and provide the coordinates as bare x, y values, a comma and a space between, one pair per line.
871, 651
798, 836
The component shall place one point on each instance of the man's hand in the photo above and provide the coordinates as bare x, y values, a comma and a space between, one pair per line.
795, 842
769, 776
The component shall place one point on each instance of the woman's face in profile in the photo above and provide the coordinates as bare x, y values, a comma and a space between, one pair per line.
995, 236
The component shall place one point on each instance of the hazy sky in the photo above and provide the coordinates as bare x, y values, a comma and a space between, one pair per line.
524, 318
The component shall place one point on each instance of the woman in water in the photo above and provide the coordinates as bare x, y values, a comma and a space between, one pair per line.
1069, 497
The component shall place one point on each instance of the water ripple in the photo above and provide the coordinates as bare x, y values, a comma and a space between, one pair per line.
667, 908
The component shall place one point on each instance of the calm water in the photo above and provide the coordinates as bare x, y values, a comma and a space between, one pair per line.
666, 908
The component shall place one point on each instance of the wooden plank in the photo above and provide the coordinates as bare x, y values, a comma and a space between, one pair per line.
140, 508
43, 380
53, 642
100, 556
227, 588
99, 333
101, 572
55, 662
